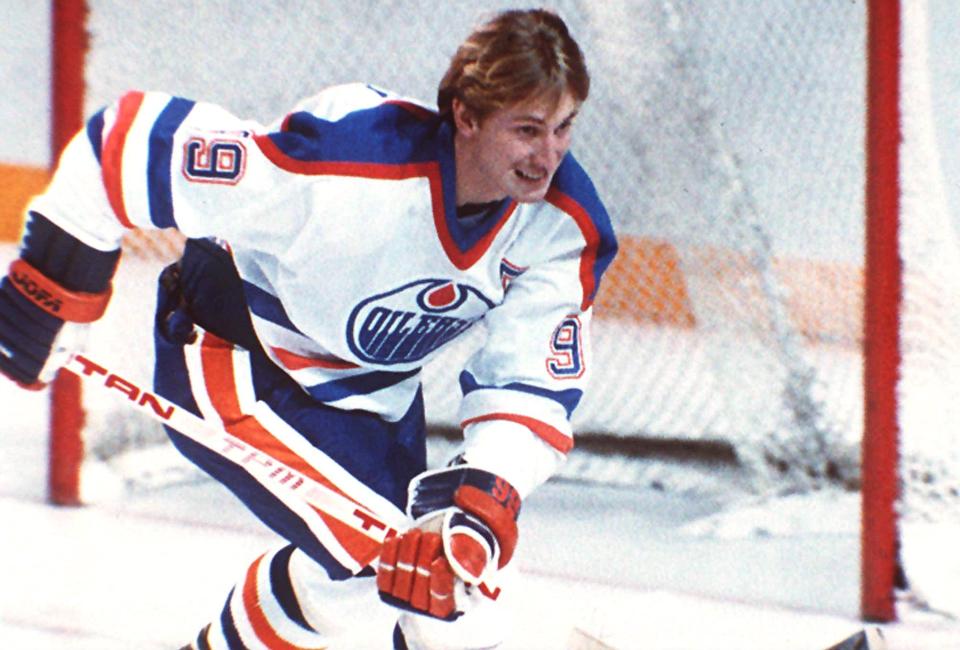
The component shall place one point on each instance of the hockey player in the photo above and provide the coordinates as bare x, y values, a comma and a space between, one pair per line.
330, 256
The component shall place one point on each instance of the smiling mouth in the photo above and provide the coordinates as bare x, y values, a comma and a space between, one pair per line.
531, 178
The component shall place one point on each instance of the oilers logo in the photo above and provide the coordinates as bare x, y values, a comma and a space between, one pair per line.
408, 323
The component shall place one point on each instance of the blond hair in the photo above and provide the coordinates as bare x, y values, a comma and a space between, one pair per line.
515, 56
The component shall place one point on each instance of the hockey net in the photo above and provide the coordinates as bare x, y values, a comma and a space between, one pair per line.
728, 140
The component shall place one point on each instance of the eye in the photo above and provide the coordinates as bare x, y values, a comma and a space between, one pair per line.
528, 130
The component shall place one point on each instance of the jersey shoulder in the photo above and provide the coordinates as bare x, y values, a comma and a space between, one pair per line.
570, 222
573, 193
573, 190
357, 123
336, 102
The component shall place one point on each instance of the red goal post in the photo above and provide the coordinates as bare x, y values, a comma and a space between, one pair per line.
882, 309
656, 288
68, 38
69, 41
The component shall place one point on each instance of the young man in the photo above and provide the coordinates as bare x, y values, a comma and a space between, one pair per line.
331, 256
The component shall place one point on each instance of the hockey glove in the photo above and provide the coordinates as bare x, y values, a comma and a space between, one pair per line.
56, 287
464, 529
203, 288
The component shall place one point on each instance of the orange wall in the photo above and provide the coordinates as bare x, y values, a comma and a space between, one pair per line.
646, 284
18, 183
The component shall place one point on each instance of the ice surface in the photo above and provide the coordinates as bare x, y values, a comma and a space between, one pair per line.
637, 568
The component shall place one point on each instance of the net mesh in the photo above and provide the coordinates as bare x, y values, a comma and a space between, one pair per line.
727, 141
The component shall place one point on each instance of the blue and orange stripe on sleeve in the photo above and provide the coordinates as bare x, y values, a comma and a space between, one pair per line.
110, 152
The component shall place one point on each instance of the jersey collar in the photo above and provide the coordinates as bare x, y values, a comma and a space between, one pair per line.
464, 244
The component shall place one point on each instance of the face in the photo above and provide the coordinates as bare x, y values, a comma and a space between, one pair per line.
514, 151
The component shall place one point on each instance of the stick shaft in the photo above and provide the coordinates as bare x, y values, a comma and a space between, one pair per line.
283, 481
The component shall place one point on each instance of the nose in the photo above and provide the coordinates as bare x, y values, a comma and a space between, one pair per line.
550, 149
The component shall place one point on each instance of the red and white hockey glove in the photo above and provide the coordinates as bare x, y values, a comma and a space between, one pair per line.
465, 528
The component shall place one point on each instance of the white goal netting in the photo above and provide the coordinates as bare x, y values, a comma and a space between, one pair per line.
727, 139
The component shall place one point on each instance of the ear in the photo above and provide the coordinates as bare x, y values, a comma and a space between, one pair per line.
464, 119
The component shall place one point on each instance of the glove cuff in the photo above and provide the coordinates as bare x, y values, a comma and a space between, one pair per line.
486, 496
60, 275
51, 297
499, 517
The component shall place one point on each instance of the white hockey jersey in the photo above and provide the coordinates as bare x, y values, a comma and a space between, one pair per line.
343, 226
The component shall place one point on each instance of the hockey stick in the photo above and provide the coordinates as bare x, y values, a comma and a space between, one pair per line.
283, 481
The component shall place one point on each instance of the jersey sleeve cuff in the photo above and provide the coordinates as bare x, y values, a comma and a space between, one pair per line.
543, 417
511, 451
